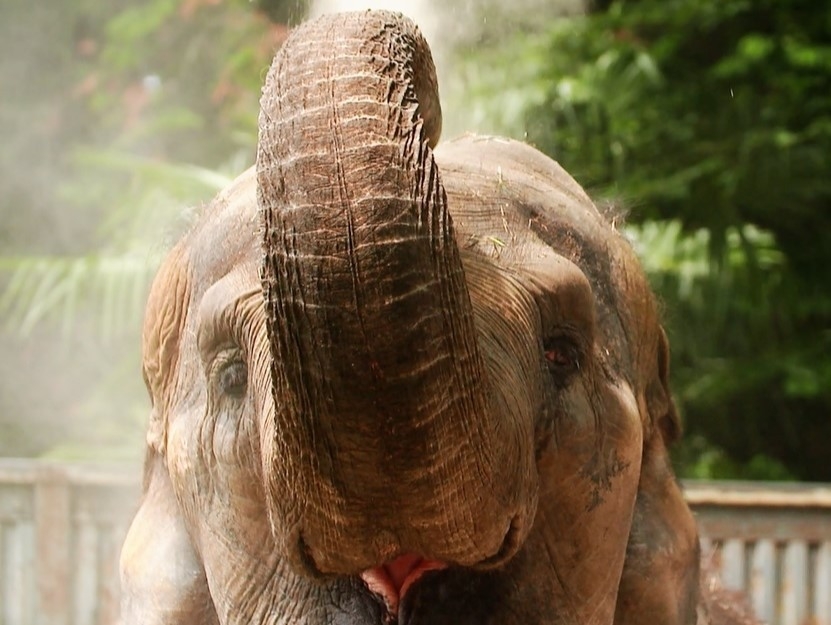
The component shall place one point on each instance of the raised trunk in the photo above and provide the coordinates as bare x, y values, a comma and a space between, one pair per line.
384, 427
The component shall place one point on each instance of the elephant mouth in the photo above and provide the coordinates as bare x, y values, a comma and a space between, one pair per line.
393, 580
412, 589
440, 596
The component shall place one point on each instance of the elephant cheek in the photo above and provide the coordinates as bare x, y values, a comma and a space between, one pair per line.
591, 482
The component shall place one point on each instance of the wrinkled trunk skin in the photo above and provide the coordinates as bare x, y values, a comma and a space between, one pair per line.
385, 437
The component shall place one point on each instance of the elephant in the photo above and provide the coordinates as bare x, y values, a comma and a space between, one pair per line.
398, 381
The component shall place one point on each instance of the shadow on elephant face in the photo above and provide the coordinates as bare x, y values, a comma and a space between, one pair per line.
398, 383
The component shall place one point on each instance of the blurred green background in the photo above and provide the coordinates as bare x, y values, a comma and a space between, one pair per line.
707, 123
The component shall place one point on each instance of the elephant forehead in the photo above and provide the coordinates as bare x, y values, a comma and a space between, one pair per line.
518, 206
520, 209
226, 235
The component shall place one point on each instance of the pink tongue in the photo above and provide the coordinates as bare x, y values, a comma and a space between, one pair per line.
393, 579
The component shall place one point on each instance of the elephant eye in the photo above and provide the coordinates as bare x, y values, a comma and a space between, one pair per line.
562, 356
233, 378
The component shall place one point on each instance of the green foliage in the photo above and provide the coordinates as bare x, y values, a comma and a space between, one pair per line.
153, 78
494, 86
151, 112
110, 282
701, 460
714, 120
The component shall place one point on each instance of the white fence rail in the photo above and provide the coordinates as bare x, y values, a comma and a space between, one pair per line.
61, 528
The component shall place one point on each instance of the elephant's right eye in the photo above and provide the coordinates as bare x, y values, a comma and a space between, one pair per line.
562, 356
233, 378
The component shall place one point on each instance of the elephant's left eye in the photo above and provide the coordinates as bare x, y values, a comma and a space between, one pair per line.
233, 378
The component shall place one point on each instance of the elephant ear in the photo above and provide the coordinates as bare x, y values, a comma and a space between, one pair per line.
164, 322
661, 572
662, 411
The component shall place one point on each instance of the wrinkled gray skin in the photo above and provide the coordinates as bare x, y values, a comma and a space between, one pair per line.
373, 346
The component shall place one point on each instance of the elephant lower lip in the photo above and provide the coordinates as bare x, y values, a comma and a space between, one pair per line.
392, 580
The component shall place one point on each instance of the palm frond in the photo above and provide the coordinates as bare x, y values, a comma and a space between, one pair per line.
110, 284
111, 287
182, 179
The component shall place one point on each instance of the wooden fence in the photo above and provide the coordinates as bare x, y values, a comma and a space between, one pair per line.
61, 528
773, 541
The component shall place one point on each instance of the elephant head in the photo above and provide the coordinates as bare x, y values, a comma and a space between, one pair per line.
394, 381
